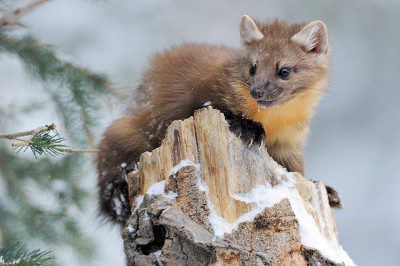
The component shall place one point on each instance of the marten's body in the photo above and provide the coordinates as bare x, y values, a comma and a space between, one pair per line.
249, 86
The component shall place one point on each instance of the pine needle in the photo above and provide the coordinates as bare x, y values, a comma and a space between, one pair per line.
17, 254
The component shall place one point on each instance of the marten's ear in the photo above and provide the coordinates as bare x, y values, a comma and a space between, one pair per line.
313, 37
249, 31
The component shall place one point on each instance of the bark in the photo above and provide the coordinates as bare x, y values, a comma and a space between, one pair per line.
191, 204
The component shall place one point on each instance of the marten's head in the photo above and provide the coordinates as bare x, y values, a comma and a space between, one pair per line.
280, 61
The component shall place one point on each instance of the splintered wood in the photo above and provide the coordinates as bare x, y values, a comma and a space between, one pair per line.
207, 175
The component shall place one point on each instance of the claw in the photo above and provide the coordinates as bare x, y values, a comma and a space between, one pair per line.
251, 142
248, 131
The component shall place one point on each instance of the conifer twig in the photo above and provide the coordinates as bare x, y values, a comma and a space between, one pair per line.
17, 254
13, 18
27, 143
40, 141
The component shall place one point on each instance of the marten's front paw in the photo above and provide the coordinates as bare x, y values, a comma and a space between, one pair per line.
334, 198
250, 132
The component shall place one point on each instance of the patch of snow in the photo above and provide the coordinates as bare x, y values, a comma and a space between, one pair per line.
158, 254
217, 222
156, 188
123, 165
130, 228
122, 197
146, 216
139, 201
281, 172
202, 186
117, 206
171, 195
179, 166
311, 237
267, 196
207, 103
345, 257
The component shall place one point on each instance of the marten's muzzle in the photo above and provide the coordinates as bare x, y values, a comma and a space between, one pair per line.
265, 94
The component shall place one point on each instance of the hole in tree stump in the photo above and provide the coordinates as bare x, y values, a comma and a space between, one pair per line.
159, 232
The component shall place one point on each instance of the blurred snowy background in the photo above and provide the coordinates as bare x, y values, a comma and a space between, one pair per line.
354, 145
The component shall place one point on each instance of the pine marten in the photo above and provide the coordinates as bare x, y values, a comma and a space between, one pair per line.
270, 86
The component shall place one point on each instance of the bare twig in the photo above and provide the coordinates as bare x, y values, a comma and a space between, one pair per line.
29, 132
76, 150
13, 18
21, 143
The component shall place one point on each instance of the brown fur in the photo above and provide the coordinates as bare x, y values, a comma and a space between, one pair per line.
180, 80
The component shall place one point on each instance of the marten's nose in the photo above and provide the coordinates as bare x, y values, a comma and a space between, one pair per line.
257, 93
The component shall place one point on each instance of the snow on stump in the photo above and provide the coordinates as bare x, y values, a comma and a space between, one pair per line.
205, 198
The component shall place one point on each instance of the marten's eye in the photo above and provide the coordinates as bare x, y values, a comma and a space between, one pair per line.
284, 72
253, 69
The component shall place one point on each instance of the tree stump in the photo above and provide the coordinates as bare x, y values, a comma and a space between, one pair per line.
205, 198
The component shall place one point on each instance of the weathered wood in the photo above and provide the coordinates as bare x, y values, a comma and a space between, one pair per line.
205, 198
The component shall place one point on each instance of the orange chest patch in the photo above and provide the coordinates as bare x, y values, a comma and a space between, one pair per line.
279, 126
286, 123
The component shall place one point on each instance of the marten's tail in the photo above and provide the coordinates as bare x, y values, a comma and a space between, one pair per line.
120, 147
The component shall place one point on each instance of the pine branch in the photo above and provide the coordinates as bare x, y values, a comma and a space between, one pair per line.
76, 93
53, 226
17, 254
43, 140
13, 18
